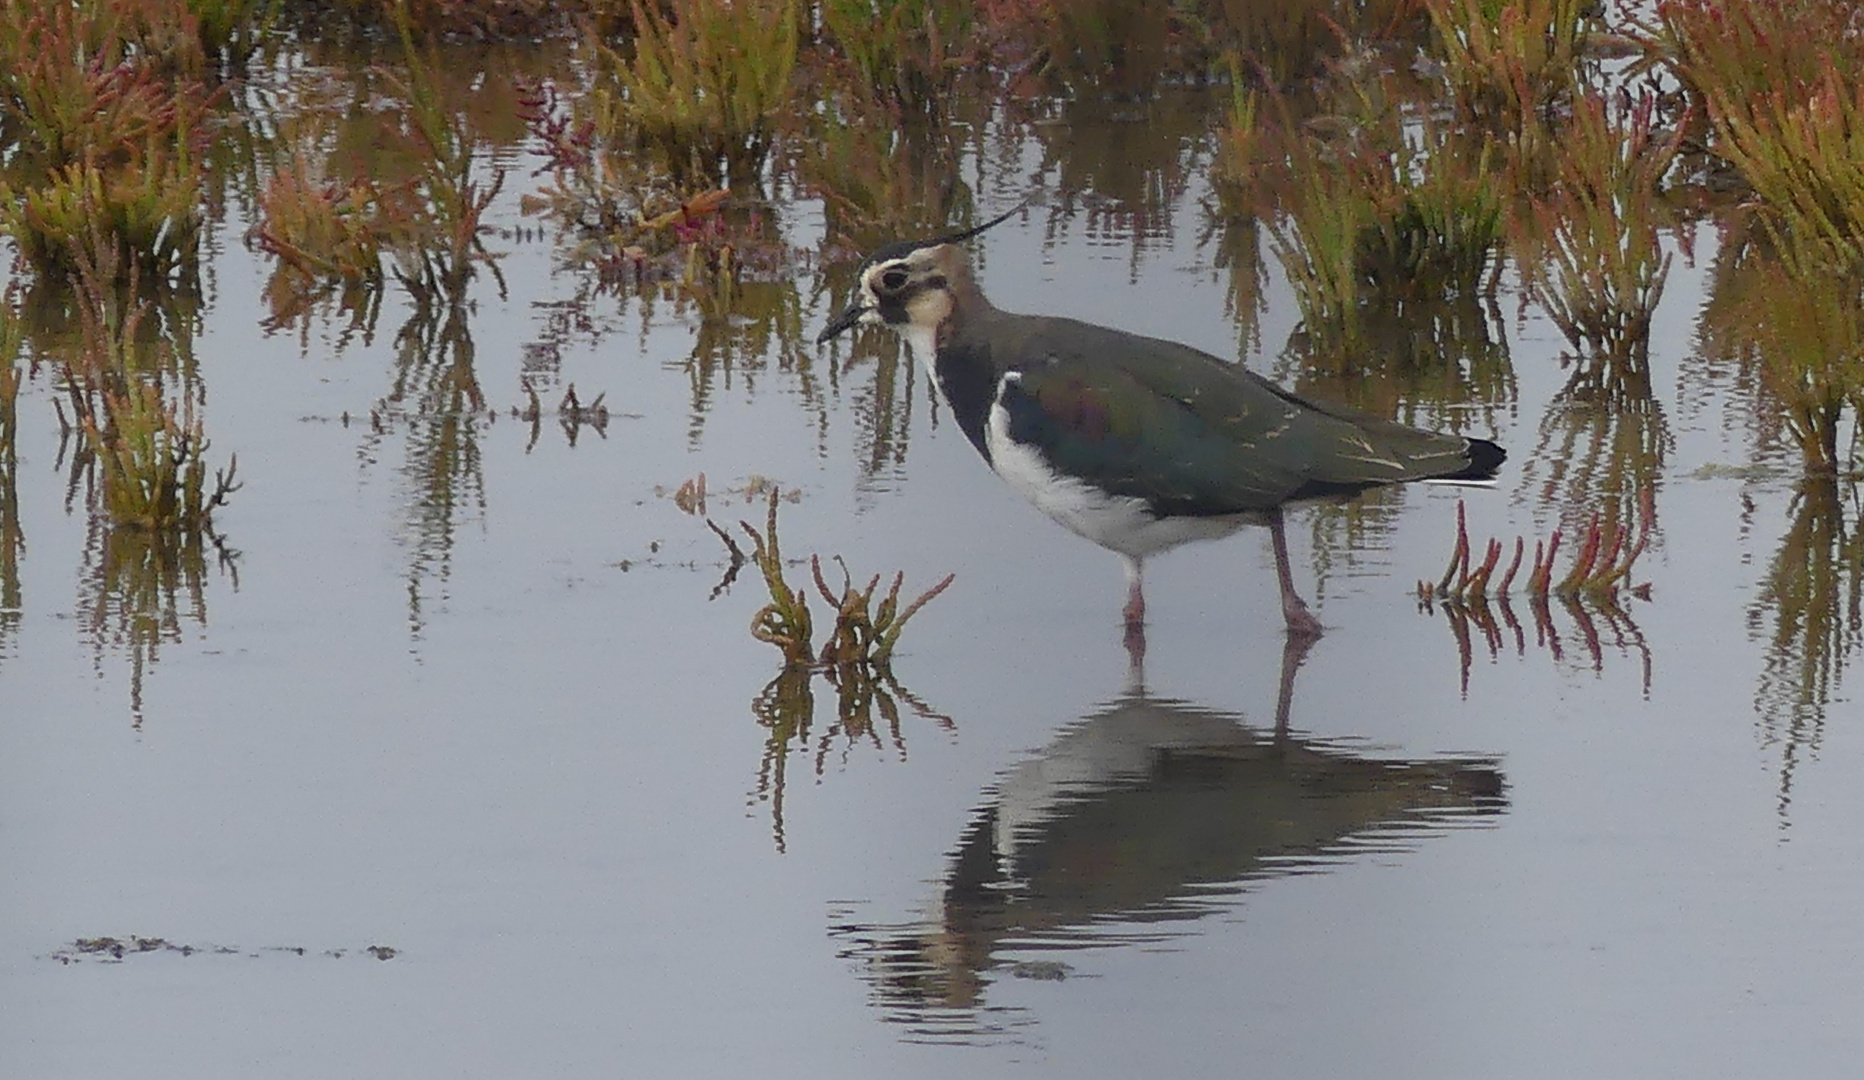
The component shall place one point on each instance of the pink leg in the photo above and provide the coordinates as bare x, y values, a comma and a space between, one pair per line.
1135, 613
1135, 610
1301, 622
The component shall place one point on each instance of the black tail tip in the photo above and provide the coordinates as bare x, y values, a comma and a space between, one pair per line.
1485, 460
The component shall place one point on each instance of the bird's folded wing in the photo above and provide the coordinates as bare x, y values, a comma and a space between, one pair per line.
1193, 435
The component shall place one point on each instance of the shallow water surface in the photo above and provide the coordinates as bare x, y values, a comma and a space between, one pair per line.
468, 691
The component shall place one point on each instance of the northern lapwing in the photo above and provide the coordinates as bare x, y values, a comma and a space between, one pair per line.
1136, 443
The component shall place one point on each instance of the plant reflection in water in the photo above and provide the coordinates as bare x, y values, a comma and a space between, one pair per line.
856, 659
1599, 621
1810, 608
12, 535
133, 447
1591, 591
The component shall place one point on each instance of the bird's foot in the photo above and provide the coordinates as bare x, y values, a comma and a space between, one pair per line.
1302, 625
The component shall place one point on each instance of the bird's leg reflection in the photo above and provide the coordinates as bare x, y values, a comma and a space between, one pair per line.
1135, 641
1294, 650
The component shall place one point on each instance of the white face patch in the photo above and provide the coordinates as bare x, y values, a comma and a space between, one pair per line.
925, 307
870, 303
924, 314
929, 308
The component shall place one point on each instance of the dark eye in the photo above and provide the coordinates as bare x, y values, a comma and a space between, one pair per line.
893, 280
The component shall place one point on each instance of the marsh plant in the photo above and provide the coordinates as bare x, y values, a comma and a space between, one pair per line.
639, 165
441, 244
573, 414
232, 32
856, 658
700, 85
124, 367
864, 633
909, 52
706, 254
1606, 550
636, 226
1242, 153
153, 209
1101, 49
1783, 87
878, 177
150, 454
149, 449
1792, 327
325, 235
1604, 265
434, 19
139, 458
1511, 69
342, 235
1284, 44
1591, 591
1384, 214
102, 127
92, 79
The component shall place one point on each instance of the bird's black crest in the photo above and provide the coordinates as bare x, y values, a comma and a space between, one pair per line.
902, 248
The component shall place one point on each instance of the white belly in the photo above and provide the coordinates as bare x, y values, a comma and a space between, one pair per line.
1116, 522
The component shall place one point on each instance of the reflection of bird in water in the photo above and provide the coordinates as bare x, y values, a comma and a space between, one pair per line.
1148, 812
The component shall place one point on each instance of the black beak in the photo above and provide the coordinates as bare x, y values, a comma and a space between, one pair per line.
842, 322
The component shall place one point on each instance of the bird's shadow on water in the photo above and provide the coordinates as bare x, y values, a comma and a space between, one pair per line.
1132, 825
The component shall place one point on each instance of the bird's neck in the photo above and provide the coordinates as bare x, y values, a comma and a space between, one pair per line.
966, 298
959, 354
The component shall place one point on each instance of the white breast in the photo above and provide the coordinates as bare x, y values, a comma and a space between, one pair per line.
1116, 522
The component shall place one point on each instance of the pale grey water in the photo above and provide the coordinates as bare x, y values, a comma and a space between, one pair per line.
539, 784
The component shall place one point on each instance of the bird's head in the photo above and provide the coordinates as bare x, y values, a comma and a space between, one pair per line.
910, 284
